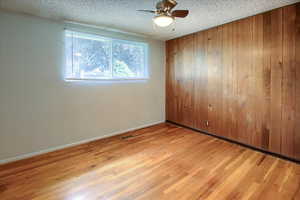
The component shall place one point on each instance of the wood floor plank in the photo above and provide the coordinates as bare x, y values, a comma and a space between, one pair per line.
160, 162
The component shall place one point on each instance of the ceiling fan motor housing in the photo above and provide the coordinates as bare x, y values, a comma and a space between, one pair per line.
165, 6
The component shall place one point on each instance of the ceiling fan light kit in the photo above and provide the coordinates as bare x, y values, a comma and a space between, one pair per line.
163, 20
164, 14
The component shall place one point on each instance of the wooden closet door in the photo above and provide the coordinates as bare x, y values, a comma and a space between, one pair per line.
290, 144
272, 81
180, 84
297, 63
200, 82
214, 76
171, 82
184, 75
229, 110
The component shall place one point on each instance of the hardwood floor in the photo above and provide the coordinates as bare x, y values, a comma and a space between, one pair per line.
160, 162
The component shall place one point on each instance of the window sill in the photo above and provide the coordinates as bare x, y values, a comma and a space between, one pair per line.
107, 80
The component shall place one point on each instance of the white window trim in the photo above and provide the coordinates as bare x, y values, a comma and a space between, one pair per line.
94, 36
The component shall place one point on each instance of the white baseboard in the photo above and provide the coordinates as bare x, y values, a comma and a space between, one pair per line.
29, 155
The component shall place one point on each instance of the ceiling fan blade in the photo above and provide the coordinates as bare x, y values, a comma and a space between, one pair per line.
180, 13
148, 11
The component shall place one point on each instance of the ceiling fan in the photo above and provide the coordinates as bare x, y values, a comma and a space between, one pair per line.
164, 13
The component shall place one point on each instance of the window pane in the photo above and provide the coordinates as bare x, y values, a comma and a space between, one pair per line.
91, 57
95, 57
128, 60
69, 55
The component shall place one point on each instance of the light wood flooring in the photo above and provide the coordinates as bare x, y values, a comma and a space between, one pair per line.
160, 162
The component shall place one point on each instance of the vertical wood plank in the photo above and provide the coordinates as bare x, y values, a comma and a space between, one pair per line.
266, 125
229, 111
289, 80
235, 65
251, 74
169, 78
276, 79
297, 58
257, 60
180, 77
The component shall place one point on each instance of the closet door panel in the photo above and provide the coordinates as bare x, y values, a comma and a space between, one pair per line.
201, 82
229, 111
215, 71
184, 72
273, 78
171, 83
244, 98
290, 99
297, 62
179, 81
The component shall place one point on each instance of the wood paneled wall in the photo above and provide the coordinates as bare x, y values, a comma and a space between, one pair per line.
240, 81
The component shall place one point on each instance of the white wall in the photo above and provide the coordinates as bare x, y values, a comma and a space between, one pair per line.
39, 110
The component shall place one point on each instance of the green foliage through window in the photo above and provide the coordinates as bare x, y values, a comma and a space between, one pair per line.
94, 57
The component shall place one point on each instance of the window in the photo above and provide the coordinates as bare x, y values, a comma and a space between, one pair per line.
93, 57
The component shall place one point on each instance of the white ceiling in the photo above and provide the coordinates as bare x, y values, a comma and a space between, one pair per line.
122, 14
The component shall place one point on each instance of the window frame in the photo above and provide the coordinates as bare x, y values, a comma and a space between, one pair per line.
94, 36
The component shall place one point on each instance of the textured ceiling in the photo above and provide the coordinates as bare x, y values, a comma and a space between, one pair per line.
122, 14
